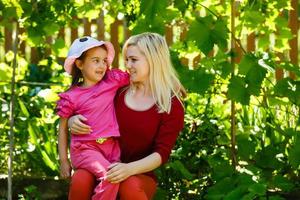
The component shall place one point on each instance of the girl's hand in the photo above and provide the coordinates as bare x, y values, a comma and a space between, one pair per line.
75, 123
65, 169
118, 172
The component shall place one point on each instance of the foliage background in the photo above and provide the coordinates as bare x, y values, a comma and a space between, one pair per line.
201, 167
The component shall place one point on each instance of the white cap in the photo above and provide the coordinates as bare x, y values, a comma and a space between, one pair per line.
83, 44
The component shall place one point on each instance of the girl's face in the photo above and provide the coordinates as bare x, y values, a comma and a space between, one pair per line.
93, 66
137, 65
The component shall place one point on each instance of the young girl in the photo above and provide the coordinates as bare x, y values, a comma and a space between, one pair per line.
93, 97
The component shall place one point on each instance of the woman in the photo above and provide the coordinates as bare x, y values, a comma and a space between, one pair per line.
150, 115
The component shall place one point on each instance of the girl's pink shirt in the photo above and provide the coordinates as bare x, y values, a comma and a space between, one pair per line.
96, 104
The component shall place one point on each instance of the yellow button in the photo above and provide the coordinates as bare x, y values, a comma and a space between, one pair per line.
101, 140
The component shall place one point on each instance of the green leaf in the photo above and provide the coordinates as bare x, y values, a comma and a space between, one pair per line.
246, 147
225, 69
178, 166
237, 90
264, 41
258, 188
294, 153
254, 73
51, 28
283, 183
181, 5
220, 189
32, 134
200, 33
153, 8
23, 108
10, 13
247, 62
277, 197
171, 14
48, 161
220, 33
254, 79
5, 72
249, 196
221, 170
285, 33
237, 193
253, 18
289, 67
266, 158
195, 80
35, 37
287, 87
59, 47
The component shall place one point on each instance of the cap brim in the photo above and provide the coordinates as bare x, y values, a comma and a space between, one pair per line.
68, 64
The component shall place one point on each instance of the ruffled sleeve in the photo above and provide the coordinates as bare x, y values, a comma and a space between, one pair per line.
118, 75
65, 106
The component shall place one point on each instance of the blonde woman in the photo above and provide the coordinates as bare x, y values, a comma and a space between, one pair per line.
150, 116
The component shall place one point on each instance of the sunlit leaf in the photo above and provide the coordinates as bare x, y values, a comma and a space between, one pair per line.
47, 160
32, 134
23, 108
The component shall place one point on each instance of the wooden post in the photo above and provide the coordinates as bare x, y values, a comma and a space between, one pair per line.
184, 61
61, 33
74, 31
169, 34
233, 109
33, 55
8, 39
127, 32
11, 116
293, 24
100, 26
183, 32
251, 42
279, 72
196, 60
114, 34
49, 42
22, 45
87, 27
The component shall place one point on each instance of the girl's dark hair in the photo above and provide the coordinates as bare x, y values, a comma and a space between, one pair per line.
76, 73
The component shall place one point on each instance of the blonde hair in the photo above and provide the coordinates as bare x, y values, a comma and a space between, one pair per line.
164, 83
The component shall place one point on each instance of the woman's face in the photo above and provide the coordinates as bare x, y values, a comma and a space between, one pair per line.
137, 64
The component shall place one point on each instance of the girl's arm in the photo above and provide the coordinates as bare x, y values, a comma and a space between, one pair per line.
65, 166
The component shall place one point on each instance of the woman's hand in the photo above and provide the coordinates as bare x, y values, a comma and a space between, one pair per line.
65, 169
118, 172
75, 123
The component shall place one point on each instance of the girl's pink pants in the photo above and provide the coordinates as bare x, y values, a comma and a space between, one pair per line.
95, 157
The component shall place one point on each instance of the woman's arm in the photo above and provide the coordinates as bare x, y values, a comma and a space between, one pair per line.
121, 171
170, 126
77, 126
65, 166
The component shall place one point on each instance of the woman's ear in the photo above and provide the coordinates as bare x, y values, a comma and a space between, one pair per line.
78, 64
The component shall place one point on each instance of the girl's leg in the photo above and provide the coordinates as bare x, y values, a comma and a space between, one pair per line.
89, 157
82, 185
141, 187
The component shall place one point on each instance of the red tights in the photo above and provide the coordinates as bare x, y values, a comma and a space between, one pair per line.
138, 187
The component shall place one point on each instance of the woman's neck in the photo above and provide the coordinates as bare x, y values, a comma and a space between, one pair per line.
141, 89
